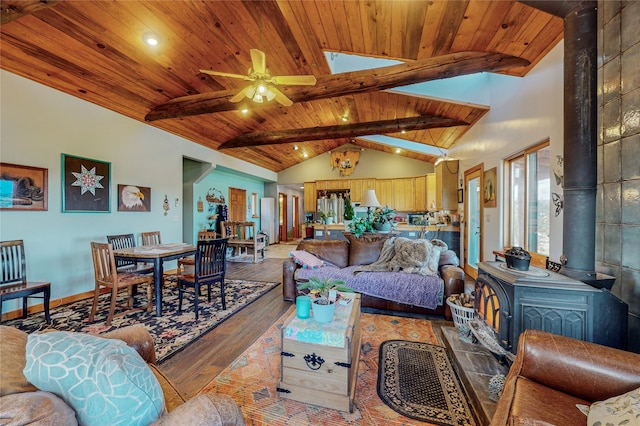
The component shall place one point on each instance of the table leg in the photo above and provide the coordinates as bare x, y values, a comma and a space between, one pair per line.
47, 299
157, 284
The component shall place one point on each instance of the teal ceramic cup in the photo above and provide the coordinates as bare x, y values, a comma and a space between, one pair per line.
303, 307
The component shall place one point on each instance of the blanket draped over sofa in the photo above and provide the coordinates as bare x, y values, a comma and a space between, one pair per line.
391, 273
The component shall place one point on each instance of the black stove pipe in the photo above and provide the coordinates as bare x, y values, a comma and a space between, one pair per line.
580, 133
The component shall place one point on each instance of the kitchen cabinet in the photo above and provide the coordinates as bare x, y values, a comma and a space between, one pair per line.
403, 194
358, 188
420, 194
447, 185
431, 191
336, 184
310, 197
384, 192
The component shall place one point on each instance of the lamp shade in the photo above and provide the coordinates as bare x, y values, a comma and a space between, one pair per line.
370, 199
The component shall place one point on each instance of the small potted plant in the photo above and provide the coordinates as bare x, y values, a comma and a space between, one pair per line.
212, 221
331, 216
348, 212
383, 219
359, 226
322, 306
323, 216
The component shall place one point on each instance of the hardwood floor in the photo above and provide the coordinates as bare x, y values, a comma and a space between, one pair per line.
196, 365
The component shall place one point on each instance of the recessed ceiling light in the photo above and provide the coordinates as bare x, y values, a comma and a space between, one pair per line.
151, 39
244, 110
305, 155
398, 150
403, 131
345, 118
296, 147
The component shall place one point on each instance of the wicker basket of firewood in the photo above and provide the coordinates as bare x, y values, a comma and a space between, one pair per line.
461, 308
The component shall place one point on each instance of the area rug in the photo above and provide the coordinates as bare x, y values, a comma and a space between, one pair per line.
416, 380
172, 331
251, 379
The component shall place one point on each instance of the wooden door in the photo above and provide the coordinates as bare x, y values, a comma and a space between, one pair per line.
282, 217
473, 211
237, 205
295, 217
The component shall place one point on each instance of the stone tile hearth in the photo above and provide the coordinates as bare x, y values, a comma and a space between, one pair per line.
475, 366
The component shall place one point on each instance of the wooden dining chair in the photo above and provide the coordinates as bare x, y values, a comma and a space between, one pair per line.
191, 260
107, 275
127, 241
13, 279
210, 267
151, 238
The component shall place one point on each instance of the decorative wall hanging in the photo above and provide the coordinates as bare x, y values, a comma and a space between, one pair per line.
490, 187
214, 196
558, 173
86, 185
344, 161
165, 205
132, 198
200, 205
23, 187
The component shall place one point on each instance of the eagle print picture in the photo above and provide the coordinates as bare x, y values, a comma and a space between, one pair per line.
132, 198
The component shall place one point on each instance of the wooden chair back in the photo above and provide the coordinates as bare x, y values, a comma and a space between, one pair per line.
151, 238
211, 259
242, 237
104, 264
207, 235
13, 262
119, 242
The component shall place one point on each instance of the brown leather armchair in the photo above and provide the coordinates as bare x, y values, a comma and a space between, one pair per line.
552, 373
21, 402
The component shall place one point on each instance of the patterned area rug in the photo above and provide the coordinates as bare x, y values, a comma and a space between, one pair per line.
252, 378
416, 379
172, 331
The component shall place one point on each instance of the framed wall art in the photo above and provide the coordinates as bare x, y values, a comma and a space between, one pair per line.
134, 198
86, 185
460, 196
490, 187
23, 187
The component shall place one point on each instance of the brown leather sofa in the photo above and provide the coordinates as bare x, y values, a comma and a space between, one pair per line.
340, 252
552, 373
22, 403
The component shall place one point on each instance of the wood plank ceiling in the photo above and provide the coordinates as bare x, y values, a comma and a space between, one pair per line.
94, 50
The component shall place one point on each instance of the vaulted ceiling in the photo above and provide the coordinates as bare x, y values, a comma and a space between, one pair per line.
94, 50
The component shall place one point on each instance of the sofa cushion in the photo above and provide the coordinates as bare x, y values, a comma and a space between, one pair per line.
12, 360
449, 257
365, 249
306, 259
35, 408
105, 381
335, 252
558, 409
618, 410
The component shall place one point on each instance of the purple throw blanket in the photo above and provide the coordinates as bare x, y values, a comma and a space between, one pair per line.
413, 289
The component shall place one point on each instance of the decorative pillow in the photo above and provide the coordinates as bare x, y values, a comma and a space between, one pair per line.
306, 259
105, 381
618, 410
365, 249
449, 257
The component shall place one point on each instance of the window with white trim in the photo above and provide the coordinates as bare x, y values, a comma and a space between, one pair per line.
529, 177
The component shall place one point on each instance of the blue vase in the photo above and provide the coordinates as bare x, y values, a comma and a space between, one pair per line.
323, 313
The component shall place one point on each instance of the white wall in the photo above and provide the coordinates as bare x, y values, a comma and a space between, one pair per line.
524, 111
37, 125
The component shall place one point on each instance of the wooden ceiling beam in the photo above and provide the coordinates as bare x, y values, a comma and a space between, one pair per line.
445, 66
340, 131
14, 9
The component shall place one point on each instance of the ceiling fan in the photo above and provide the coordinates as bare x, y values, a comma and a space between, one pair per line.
263, 82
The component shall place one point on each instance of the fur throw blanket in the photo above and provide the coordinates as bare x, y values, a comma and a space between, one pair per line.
401, 254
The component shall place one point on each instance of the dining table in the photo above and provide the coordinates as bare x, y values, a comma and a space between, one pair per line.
156, 254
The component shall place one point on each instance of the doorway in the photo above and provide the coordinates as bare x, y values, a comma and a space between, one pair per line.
473, 226
237, 205
295, 217
282, 217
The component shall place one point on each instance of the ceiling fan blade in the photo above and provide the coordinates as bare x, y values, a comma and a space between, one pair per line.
280, 97
259, 61
225, 74
240, 95
294, 80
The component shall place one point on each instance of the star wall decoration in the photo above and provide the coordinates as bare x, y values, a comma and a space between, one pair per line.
87, 180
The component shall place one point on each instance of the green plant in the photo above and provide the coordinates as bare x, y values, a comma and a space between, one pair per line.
323, 216
383, 215
360, 225
323, 286
331, 213
348, 209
